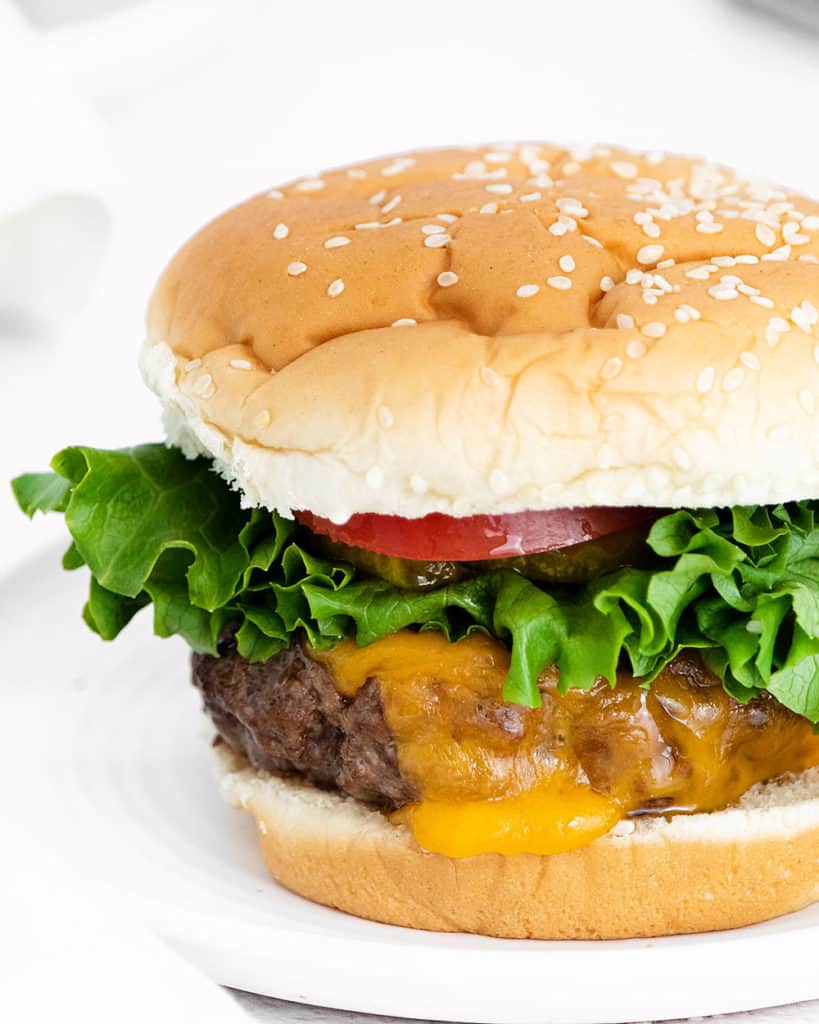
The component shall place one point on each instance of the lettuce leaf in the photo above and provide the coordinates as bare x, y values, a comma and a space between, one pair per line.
740, 585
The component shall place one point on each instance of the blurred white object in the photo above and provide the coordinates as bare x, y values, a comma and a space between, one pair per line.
801, 13
53, 225
59, 12
58, 173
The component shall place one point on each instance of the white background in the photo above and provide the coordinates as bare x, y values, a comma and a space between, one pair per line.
202, 107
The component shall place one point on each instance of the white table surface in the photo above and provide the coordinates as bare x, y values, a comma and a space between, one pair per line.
266, 1011
293, 88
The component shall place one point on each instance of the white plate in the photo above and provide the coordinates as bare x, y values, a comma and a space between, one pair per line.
114, 758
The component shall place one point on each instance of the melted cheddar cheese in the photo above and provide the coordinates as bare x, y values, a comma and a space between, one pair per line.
498, 777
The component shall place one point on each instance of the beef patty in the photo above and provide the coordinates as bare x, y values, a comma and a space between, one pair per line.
340, 720
286, 716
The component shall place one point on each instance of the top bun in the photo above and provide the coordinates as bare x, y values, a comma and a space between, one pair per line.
499, 328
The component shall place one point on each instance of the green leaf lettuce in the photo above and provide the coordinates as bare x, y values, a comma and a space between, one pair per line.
740, 585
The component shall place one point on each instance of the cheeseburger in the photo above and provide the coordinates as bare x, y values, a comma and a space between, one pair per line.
489, 508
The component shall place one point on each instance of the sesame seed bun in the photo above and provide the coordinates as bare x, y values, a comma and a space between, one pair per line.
653, 876
497, 329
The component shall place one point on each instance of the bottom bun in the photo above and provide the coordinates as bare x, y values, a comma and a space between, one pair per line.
647, 877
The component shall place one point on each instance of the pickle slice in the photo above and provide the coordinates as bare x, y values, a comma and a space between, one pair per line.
582, 562
577, 563
401, 572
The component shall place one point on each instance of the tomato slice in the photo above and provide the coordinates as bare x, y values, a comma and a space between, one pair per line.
440, 538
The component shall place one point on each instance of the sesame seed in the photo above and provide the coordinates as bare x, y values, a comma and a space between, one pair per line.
374, 477
561, 283
391, 205
336, 242
447, 277
489, 208
611, 368
296, 267
705, 379
369, 225
204, 386
779, 255
400, 163
335, 288
792, 234
625, 322
592, 241
356, 172
530, 197
749, 359
709, 229
274, 193
635, 349
765, 235
433, 229
774, 332
807, 401
634, 276
418, 484
723, 292
495, 157
281, 231
261, 419
624, 168
811, 222
526, 291
733, 379
650, 253
558, 229
762, 300
241, 364
310, 185
566, 263
571, 207
746, 258
498, 481
502, 188
653, 330
606, 283
385, 417
405, 321
436, 241
723, 261
805, 316
698, 274
379, 197
447, 218
651, 229
490, 377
